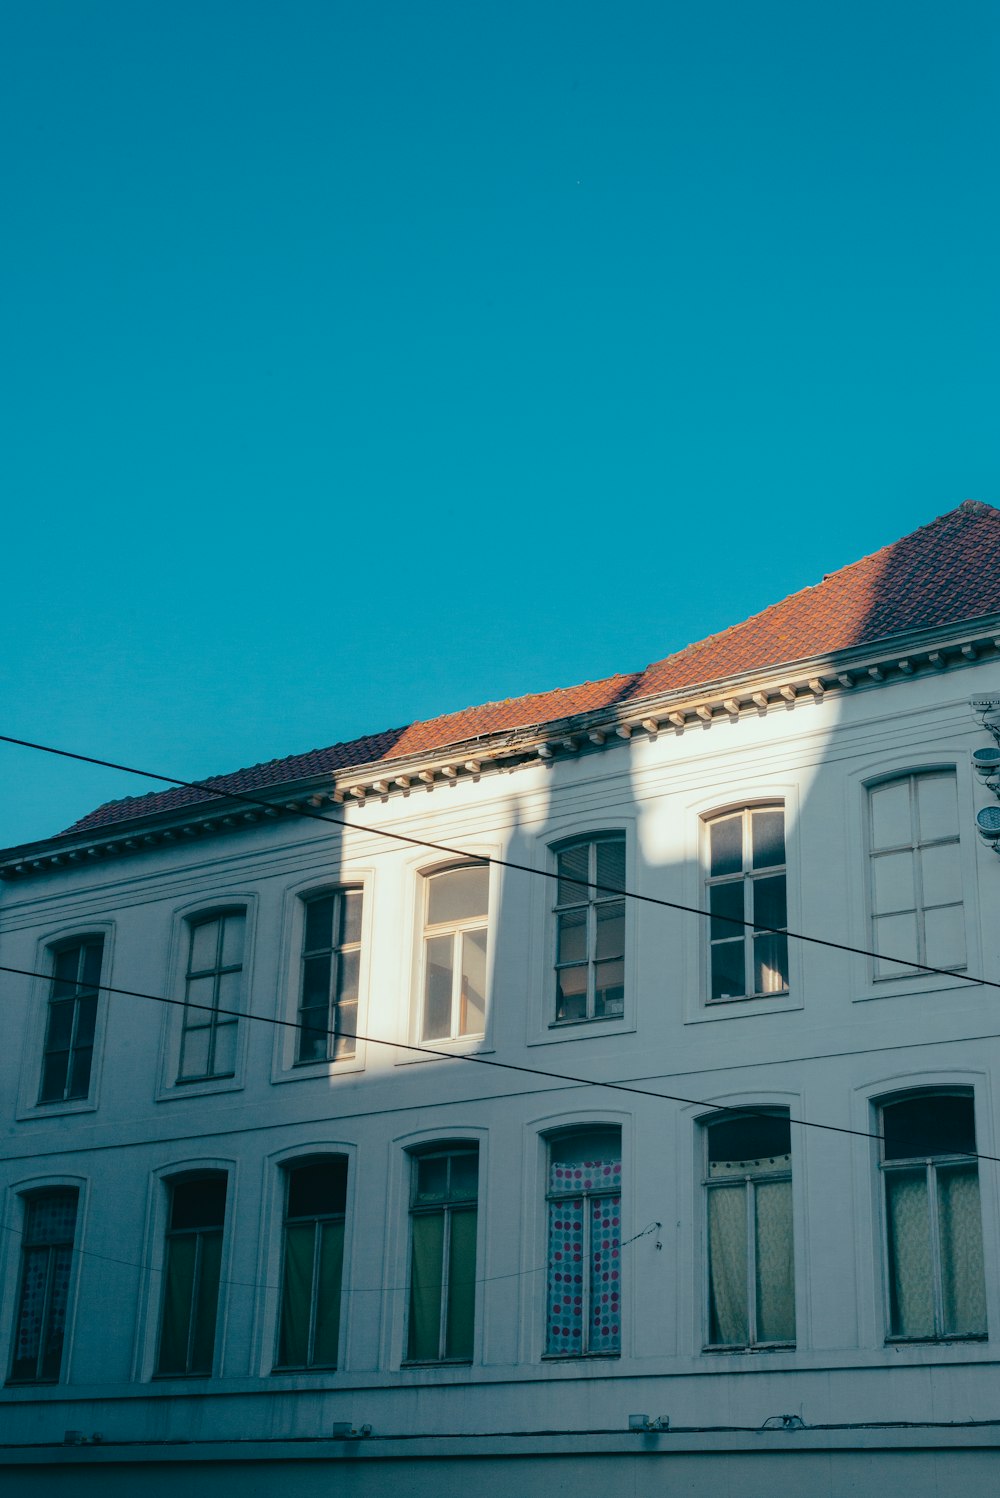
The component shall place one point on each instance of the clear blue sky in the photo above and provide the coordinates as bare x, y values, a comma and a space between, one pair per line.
364, 361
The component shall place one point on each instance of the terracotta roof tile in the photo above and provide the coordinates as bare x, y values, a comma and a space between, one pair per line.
943, 573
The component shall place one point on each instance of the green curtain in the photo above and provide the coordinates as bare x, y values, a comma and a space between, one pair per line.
203, 1342
425, 1287
296, 1295
461, 1286
177, 1295
331, 1265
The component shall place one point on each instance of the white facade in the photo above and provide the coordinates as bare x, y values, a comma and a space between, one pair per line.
883, 1405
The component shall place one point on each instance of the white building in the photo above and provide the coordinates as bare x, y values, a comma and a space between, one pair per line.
237, 1237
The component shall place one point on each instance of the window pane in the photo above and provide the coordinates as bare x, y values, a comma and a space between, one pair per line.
748, 1145
775, 1264
604, 1331
177, 1297
461, 1286
944, 937
200, 1203
727, 1258
894, 883
609, 988
941, 874
313, 1039
326, 1337
439, 955
200, 993
896, 936
890, 808
768, 838
207, 1306
347, 1027
726, 843
937, 806
204, 946
564, 1330
60, 1026
51, 1218
316, 981
194, 1052
572, 936
425, 1286
79, 1073
54, 1073
728, 971
319, 924
911, 1293
86, 1018
296, 1295
963, 1284
927, 1125
233, 929
611, 863
726, 906
228, 992
55, 1330
65, 967
92, 954
769, 901
572, 867
224, 1060
318, 1190
458, 895
472, 1004
770, 964
350, 915
432, 1178
586, 1161
464, 1177
611, 929
348, 965
571, 993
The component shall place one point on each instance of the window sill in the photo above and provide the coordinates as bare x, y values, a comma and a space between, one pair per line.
289, 1371
471, 1045
558, 1031
579, 1357
198, 1087
943, 1341
57, 1110
305, 1071
748, 1351
435, 1363
716, 1009
913, 985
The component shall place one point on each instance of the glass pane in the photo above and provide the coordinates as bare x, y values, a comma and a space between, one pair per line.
319, 1189
207, 1304
604, 1331
194, 1052
200, 1203
572, 866
728, 974
425, 1287
461, 1286
571, 993
770, 964
350, 915
319, 924
51, 1218
911, 1293
890, 809
726, 843
609, 988
726, 906
54, 1073
66, 966
472, 1003
348, 966
963, 1284
930, 1124
768, 838
53, 1333
86, 1017
941, 874
200, 993
316, 981
60, 1025
458, 895
177, 1297
944, 937
564, 1322
749, 1145
346, 1025
28, 1332
895, 936
572, 936
432, 1178
79, 1072
228, 991
611, 929
769, 901
326, 1337
588, 1160
296, 1295
611, 863
464, 1177
727, 1262
224, 1060
204, 947
313, 1039
775, 1266
937, 807
894, 883
233, 931
92, 963
438, 957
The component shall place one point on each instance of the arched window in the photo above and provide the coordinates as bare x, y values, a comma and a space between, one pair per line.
584, 1313
590, 928
746, 891
453, 1002
193, 1260
312, 1262
444, 1194
43, 1292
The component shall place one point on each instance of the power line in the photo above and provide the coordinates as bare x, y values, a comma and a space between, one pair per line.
491, 1061
503, 863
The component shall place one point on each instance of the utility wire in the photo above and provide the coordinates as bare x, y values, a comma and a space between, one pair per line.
502, 863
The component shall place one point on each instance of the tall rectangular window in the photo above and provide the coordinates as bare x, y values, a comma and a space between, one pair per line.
191, 1276
313, 1263
328, 993
584, 1259
443, 1212
590, 929
746, 883
454, 955
751, 1271
72, 1016
934, 1234
43, 1294
916, 876
212, 995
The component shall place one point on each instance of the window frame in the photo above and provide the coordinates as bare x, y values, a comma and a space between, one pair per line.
749, 1182
747, 876
553, 1138
82, 941
287, 1165
457, 930
447, 1209
170, 1182
211, 1021
27, 1193
901, 972
590, 901
931, 1163
336, 950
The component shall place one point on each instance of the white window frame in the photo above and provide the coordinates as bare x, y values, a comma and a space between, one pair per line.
456, 929
590, 900
551, 1139
747, 877
210, 1019
336, 951
445, 1149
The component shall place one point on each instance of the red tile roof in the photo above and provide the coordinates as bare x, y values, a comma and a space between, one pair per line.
943, 573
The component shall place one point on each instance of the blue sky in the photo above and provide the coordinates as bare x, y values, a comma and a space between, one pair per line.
361, 362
